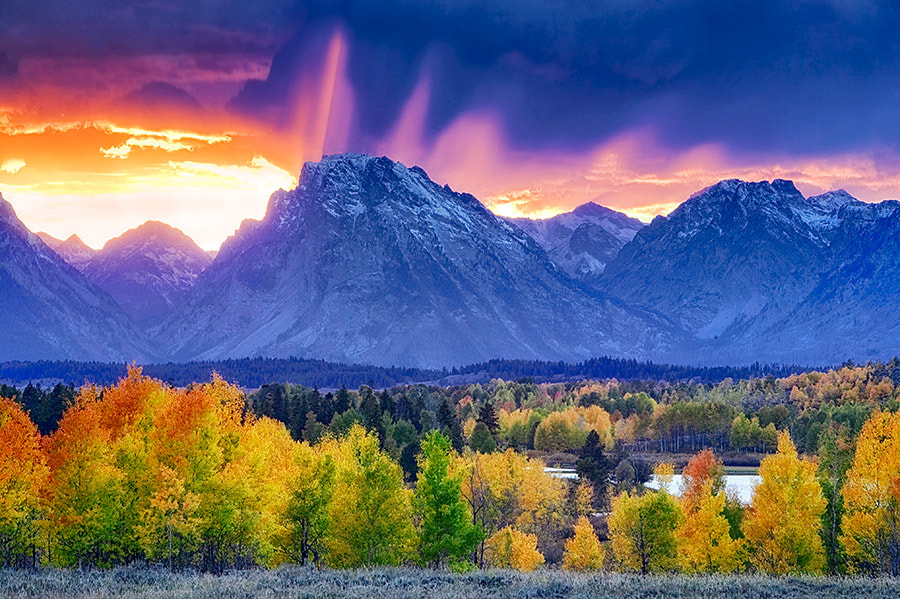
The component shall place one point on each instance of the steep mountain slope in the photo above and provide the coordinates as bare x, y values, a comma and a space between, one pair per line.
854, 310
369, 261
72, 250
148, 270
731, 259
50, 310
755, 271
584, 241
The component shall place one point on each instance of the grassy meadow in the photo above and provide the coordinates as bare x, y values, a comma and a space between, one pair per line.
137, 582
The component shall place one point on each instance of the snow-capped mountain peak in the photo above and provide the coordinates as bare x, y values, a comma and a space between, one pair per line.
370, 261
50, 310
148, 270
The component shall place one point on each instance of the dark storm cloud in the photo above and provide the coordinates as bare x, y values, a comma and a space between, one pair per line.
758, 75
9, 68
754, 75
99, 28
158, 94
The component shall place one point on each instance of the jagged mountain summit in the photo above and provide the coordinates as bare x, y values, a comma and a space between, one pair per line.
50, 310
370, 261
72, 250
582, 242
740, 264
148, 270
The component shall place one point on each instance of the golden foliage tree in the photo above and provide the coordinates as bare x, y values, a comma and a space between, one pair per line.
511, 489
871, 524
583, 550
511, 548
22, 474
567, 430
782, 526
704, 537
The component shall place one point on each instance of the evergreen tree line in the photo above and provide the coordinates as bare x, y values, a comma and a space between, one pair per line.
255, 372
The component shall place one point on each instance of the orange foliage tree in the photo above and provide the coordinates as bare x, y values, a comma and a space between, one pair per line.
704, 536
141, 470
22, 473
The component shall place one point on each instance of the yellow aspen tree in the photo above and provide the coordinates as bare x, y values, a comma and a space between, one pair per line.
510, 548
871, 524
306, 518
583, 551
665, 474
583, 499
704, 538
371, 511
267, 465
783, 523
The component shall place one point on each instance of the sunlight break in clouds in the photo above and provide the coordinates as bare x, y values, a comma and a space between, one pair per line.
12, 166
202, 199
168, 141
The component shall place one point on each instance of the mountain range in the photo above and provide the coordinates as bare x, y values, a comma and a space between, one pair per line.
370, 261
49, 309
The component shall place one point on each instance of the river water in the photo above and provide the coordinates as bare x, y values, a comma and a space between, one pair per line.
742, 484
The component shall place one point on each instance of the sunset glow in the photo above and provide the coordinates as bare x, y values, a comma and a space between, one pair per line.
94, 143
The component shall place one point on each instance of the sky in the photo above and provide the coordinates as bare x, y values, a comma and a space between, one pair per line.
113, 113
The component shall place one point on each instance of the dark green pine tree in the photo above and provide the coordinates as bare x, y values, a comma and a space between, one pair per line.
342, 401
481, 440
327, 411
593, 467
51, 407
408, 460
387, 404
300, 406
488, 416
371, 412
449, 423
314, 430
314, 399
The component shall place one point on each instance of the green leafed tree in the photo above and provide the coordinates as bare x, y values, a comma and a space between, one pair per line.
448, 536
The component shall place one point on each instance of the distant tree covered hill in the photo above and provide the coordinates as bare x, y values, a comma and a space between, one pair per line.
256, 372
246, 372
625, 369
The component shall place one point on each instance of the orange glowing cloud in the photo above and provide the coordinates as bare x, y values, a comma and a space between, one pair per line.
98, 178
